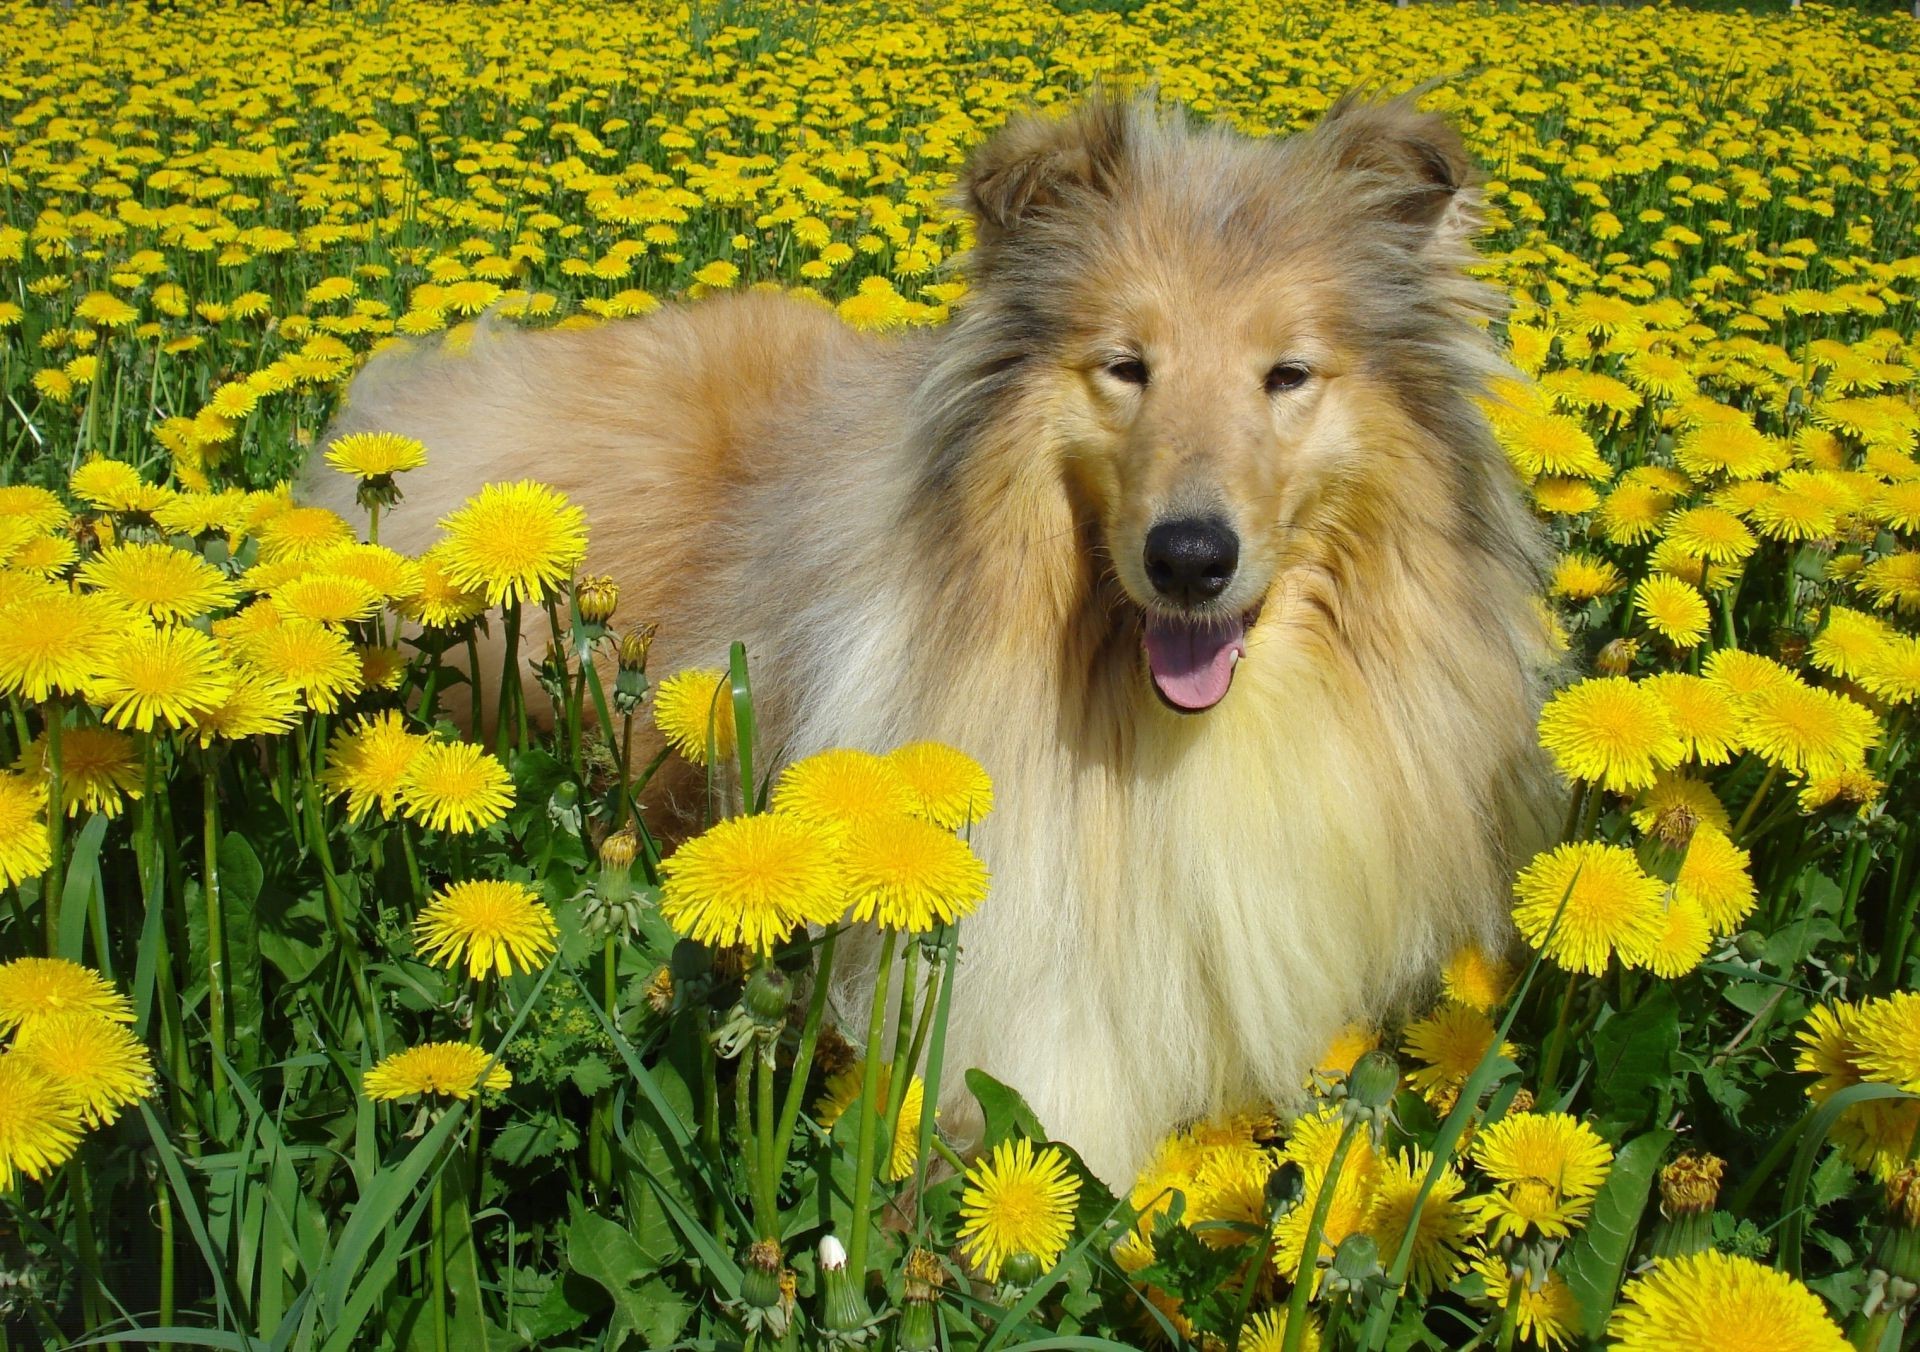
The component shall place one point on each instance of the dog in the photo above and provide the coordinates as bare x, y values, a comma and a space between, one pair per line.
1189, 525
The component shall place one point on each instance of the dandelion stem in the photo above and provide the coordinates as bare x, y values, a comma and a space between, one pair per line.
508, 701
763, 1126
899, 1068
936, 1062
216, 928
1310, 1245
869, 1090
1550, 1067
746, 1142
1753, 803
56, 830
803, 1058
439, 1263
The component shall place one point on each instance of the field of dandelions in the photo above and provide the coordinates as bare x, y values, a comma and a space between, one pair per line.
324, 1026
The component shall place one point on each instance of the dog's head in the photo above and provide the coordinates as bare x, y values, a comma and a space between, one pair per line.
1238, 346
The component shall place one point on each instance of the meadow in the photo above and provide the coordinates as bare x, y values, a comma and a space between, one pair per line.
326, 1025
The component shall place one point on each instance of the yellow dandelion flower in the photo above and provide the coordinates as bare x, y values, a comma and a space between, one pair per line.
327, 599
1267, 1332
908, 874
1730, 446
1893, 582
1548, 1167
1445, 1226
318, 663
1633, 511
47, 556
97, 1063
368, 762
837, 790
439, 602
53, 641
391, 574
115, 486
1853, 786
161, 677
1703, 713
375, 455
1718, 1302
1848, 642
1677, 805
1710, 533
456, 786
1448, 1043
1745, 675
1672, 609
159, 581
751, 881
39, 507
1797, 727
1893, 673
1581, 577
949, 785
454, 1070
694, 711
1545, 1311
514, 542
1610, 906
32, 989
1682, 942
488, 924
1476, 978
39, 1122
1886, 1040
24, 848
1017, 1200
98, 769
1714, 876
1353, 1041
1610, 731
256, 706
301, 534
1565, 497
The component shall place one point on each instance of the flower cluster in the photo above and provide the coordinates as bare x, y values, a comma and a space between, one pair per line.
71, 1064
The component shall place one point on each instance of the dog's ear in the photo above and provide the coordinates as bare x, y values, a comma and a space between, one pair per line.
1035, 163
1415, 160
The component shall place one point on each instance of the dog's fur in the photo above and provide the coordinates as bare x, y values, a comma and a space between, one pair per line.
939, 535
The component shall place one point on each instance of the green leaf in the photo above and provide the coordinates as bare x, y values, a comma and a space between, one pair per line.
591, 1075
605, 1253
293, 929
1633, 1053
1007, 1114
83, 880
1595, 1264
1813, 1130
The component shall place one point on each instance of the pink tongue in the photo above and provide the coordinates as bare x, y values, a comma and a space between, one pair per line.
1193, 663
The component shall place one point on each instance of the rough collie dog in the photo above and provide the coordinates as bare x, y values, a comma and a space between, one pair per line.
1188, 526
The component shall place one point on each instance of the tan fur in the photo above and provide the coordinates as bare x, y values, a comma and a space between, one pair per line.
940, 535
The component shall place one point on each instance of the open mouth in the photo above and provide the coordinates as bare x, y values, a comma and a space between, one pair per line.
1191, 657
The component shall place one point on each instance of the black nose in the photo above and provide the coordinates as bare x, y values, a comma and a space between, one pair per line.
1191, 560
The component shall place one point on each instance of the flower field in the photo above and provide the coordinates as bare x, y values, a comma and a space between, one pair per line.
326, 1024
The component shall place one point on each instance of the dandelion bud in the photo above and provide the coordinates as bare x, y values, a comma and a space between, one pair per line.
1616, 659
760, 1275
1021, 1269
768, 994
1286, 1188
634, 645
1689, 1189
1355, 1263
1373, 1082
1893, 1276
845, 1310
1675, 826
922, 1280
617, 851
597, 597
659, 995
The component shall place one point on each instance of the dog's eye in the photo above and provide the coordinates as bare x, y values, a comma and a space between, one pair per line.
1128, 370
1288, 375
